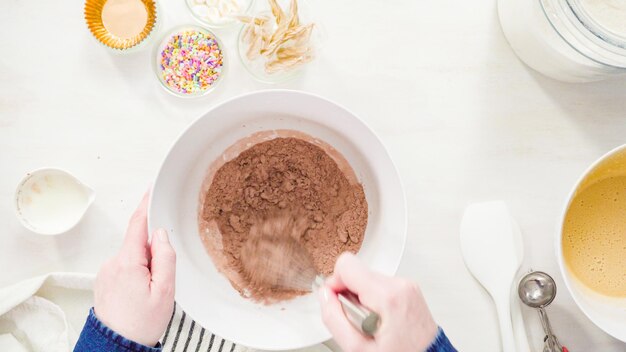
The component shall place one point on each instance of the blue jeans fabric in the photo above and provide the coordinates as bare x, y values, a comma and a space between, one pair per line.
98, 337
441, 343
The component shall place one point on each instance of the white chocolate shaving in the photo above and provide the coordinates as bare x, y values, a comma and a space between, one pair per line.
216, 11
284, 44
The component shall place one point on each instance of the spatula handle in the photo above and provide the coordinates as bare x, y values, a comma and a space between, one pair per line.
503, 308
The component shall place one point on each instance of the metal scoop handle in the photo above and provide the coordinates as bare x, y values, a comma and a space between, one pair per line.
363, 319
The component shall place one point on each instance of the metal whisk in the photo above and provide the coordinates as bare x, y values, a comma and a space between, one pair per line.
272, 256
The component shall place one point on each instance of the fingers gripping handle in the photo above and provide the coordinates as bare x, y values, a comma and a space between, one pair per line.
363, 319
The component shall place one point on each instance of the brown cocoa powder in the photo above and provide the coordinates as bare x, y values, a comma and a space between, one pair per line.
281, 175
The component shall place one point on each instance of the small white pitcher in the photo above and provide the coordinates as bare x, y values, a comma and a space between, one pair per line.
51, 201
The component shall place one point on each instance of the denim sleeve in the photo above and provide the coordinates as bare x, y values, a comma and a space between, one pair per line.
441, 343
98, 337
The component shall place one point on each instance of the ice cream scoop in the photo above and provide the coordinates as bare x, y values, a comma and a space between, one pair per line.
537, 290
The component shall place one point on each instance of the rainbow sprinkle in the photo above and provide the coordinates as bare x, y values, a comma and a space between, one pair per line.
191, 62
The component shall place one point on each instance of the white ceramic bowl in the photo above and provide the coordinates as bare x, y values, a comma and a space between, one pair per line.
200, 289
609, 314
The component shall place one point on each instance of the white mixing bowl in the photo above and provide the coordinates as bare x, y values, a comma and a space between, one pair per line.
608, 313
205, 293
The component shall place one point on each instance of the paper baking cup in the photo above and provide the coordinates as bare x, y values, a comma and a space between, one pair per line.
93, 17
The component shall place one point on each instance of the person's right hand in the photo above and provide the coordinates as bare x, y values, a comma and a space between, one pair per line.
406, 322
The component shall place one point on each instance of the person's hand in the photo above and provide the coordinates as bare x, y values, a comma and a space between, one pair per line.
134, 291
406, 322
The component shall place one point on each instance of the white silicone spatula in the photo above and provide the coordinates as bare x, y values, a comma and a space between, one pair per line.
492, 248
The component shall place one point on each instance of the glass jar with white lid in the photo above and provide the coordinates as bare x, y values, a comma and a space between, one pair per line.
568, 40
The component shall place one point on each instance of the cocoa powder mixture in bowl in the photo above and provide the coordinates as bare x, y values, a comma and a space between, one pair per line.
282, 175
220, 136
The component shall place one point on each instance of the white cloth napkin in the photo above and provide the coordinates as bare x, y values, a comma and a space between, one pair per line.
47, 313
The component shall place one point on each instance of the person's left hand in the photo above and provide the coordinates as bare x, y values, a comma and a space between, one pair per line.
134, 291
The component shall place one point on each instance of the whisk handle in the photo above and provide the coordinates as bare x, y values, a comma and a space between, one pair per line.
361, 317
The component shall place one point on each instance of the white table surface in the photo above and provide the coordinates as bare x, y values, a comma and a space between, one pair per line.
462, 117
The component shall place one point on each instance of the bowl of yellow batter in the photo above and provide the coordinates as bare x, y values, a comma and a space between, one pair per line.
591, 243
